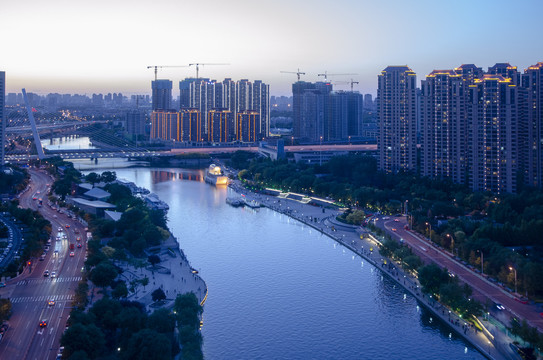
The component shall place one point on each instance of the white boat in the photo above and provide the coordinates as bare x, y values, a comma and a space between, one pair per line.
215, 176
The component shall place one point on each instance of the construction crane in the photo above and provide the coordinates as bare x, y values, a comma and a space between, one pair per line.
326, 75
202, 64
353, 82
156, 67
298, 73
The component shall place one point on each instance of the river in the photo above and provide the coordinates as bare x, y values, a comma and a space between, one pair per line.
278, 289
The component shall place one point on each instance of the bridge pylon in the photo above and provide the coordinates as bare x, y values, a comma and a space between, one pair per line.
37, 141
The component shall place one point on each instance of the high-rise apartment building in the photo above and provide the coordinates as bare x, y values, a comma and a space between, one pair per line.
397, 117
135, 123
531, 126
220, 127
191, 124
165, 125
443, 126
162, 95
243, 95
310, 105
2, 117
493, 121
247, 122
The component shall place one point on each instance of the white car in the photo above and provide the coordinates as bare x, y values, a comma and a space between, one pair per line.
53, 274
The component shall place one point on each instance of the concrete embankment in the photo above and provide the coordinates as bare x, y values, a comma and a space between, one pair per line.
324, 222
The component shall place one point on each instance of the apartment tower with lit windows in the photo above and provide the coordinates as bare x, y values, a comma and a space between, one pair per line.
397, 116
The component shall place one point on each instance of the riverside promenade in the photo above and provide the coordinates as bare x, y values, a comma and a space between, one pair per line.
174, 275
491, 342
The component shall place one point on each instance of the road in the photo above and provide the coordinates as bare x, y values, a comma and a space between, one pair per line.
482, 288
31, 292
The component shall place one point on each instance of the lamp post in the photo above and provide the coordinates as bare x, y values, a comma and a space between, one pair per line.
452, 242
430, 233
515, 270
482, 260
320, 148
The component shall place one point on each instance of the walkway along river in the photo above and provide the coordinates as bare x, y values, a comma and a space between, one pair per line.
281, 289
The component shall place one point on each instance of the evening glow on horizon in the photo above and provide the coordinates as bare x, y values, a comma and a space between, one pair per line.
105, 46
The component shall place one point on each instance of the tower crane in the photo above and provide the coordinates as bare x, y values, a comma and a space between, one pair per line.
326, 75
156, 67
298, 73
353, 82
197, 65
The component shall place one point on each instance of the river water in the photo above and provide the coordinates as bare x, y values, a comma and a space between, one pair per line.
278, 289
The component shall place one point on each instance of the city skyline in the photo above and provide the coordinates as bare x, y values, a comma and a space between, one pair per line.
104, 47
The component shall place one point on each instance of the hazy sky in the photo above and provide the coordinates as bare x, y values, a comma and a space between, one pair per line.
88, 46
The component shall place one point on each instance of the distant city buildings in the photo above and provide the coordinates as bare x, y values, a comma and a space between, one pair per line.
218, 111
135, 123
321, 114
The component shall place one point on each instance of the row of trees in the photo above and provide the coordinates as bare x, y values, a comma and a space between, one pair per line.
37, 231
120, 329
505, 228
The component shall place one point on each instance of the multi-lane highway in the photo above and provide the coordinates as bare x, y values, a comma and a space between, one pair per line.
36, 297
483, 289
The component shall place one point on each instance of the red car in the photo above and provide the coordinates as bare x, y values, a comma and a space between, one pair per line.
43, 323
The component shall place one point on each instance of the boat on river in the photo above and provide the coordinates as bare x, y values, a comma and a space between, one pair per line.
215, 176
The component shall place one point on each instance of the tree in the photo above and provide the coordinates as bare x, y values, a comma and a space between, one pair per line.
92, 178
5, 309
108, 176
147, 344
120, 291
431, 277
158, 295
144, 282
86, 338
153, 259
162, 321
103, 274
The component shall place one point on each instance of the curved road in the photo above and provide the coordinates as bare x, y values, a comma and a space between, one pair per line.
482, 288
31, 292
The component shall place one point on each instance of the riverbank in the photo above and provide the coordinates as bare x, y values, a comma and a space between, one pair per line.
323, 220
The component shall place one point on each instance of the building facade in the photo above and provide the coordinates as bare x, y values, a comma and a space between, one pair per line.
220, 126
2, 117
162, 94
247, 126
397, 117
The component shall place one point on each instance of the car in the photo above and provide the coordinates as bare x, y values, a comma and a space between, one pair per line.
78, 238
72, 253
2, 284
67, 226
42, 257
79, 246
51, 303
53, 274
46, 273
34, 198
59, 229
393, 229
396, 220
499, 306
72, 246
43, 323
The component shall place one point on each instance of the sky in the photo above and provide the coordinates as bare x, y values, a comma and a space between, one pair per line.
99, 46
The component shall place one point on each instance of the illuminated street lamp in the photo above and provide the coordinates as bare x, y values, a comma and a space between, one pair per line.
482, 260
515, 270
430, 233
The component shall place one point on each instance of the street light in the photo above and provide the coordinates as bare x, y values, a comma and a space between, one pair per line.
320, 148
515, 270
452, 242
482, 260
430, 233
